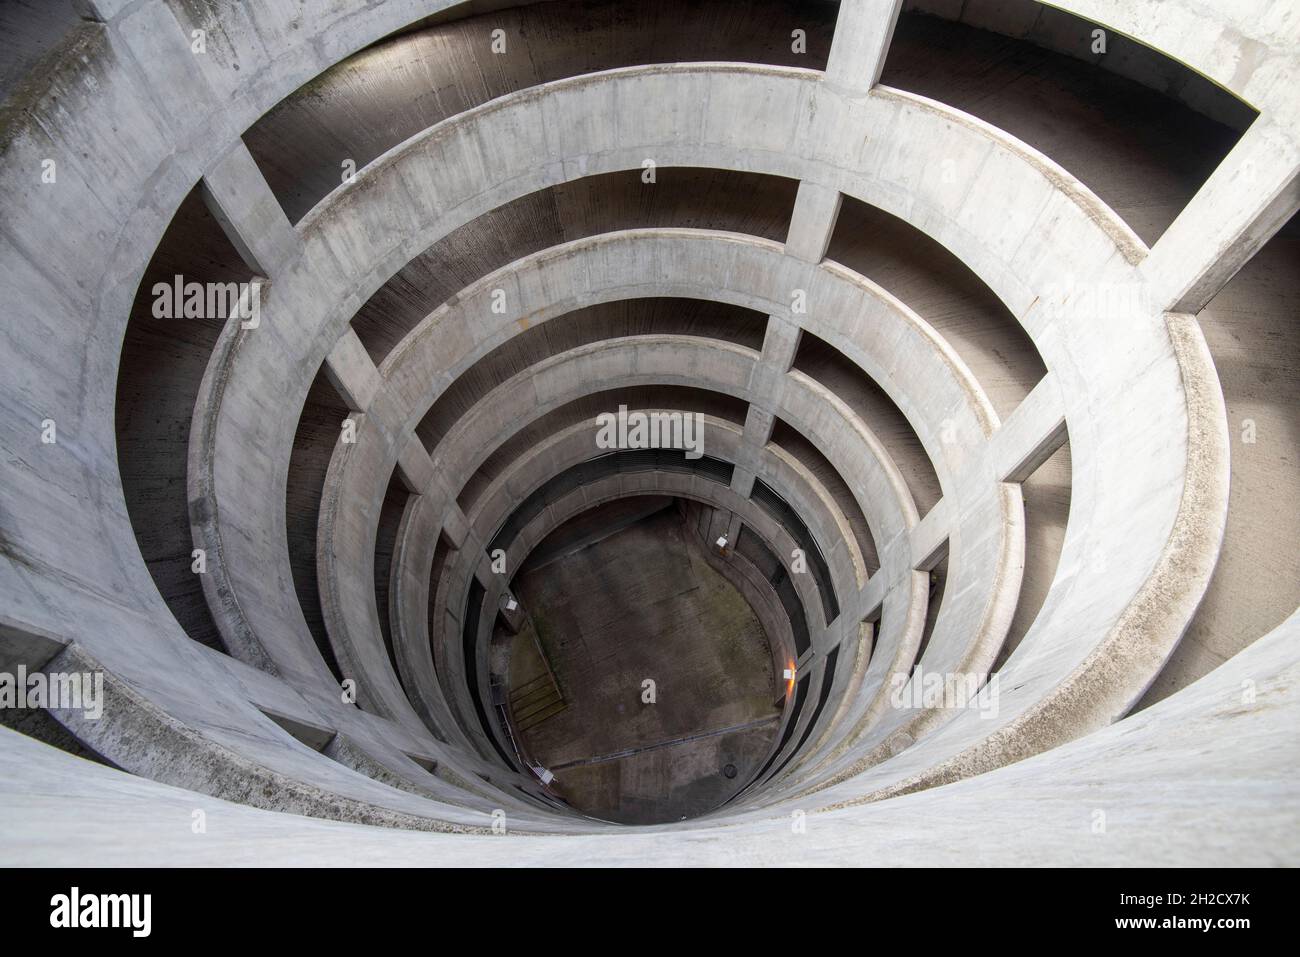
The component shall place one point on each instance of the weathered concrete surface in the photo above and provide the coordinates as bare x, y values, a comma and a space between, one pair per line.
1168, 800
1250, 330
1128, 247
138, 61
273, 498
870, 338
151, 113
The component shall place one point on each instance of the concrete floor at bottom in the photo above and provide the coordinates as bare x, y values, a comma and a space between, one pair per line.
607, 616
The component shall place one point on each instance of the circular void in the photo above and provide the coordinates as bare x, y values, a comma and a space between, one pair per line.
637, 425
640, 675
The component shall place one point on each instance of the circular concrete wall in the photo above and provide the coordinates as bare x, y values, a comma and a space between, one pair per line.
315, 326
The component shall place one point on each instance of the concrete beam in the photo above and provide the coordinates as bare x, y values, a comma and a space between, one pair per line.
1031, 434
352, 372
930, 537
816, 208
415, 468
1247, 199
780, 343
862, 34
742, 481
238, 196
872, 595
758, 427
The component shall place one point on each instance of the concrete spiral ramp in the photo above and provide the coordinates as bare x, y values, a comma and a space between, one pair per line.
987, 311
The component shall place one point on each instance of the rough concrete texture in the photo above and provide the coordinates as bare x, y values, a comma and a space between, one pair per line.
991, 328
1215, 806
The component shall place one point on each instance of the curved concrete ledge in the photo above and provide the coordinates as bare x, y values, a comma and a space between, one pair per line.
147, 741
655, 360
1198, 805
986, 556
572, 446
984, 582
298, 657
757, 591
1251, 55
1028, 718
706, 364
456, 335
411, 595
575, 444
775, 120
890, 343
413, 558
689, 79
1103, 688
70, 282
874, 329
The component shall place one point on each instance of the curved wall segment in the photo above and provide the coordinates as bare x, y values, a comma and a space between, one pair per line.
980, 370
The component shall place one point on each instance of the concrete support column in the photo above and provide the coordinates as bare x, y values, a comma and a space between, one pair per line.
455, 525
929, 536
742, 481
862, 35
421, 477
758, 429
415, 468
1251, 194
780, 343
872, 595
352, 372
238, 196
354, 375
1030, 435
816, 208
733, 528
452, 521
483, 562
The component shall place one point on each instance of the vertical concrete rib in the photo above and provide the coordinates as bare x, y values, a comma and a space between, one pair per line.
352, 373
780, 343
1031, 434
1251, 194
242, 202
862, 35
816, 208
